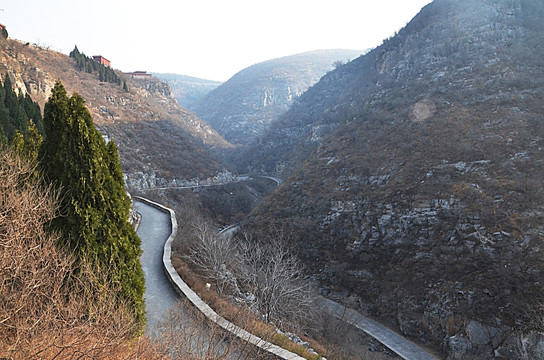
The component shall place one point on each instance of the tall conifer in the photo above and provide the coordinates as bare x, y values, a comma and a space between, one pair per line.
95, 207
10, 98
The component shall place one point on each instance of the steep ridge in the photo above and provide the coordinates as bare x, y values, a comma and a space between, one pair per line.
158, 140
419, 198
428, 51
241, 108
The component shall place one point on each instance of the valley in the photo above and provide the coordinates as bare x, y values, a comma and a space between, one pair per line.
242, 108
402, 182
412, 185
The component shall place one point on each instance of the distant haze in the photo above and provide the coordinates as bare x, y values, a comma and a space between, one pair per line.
210, 39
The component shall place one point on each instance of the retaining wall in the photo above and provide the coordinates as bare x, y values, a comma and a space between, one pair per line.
184, 290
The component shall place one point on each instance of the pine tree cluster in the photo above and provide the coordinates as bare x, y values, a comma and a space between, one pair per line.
18, 113
85, 63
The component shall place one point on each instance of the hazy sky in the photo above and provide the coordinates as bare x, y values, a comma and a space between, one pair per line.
211, 39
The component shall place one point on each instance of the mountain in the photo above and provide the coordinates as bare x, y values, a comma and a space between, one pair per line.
158, 140
414, 189
241, 108
187, 89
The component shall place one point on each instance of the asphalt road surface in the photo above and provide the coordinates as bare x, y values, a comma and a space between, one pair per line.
159, 295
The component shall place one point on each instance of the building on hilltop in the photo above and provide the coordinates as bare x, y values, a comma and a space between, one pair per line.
140, 75
102, 60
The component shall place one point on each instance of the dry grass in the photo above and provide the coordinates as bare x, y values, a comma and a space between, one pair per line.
46, 312
187, 334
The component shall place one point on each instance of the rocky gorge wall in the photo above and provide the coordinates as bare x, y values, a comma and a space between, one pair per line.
421, 203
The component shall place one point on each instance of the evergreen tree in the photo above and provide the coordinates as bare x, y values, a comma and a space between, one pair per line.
10, 98
33, 111
32, 143
17, 143
2, 94
95, 206
54, 148
7, 127
22, 119
3, 137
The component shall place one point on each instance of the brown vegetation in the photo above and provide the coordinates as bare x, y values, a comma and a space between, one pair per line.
45, 311
186, 334
154, 134
239, 314
331, 338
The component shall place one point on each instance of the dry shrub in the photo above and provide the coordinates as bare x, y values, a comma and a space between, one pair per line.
187, 334
46, 311
238, 315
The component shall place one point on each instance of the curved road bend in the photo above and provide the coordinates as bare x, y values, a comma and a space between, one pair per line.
395, 342
159, 295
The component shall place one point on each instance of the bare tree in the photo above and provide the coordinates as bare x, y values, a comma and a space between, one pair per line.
338, 63
274, 274
214, 255
187, 334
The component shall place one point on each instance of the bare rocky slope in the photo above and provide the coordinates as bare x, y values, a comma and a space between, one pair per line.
241, 108
415, 179
159, 141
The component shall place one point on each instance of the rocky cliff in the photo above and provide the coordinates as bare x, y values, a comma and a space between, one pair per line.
241, 108
416, 170
187, 89
156, 137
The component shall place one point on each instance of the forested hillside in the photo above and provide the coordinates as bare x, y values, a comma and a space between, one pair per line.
416, 179
88, 64
159, 141
17, 112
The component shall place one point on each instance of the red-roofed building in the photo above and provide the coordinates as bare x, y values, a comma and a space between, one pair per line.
102, 60
3, 31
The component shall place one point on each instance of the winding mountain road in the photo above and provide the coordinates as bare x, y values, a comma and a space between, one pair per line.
159, 295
